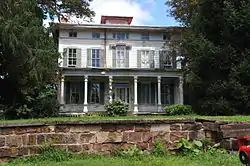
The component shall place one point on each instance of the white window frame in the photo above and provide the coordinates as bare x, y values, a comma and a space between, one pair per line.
94, 51
145, 53
120, 56
168, 58
72, 57
124, 34
96, 91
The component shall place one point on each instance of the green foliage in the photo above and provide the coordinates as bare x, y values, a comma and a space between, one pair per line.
116, 107
198, 146
217, 54
159, 149
178, 109
133, 151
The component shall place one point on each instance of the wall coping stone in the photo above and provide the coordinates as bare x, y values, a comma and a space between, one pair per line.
113, 121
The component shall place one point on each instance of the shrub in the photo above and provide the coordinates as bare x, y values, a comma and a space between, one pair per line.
116, 107
178, 109
133, 151
159, 148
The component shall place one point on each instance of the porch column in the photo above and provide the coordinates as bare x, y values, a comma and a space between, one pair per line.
110, 88
85, 108
181, 90
159, 93
62, 91
135, 95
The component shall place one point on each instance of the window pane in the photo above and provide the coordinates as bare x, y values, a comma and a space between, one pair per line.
93, 53
114, 35
97, 63
95, 93
97, 54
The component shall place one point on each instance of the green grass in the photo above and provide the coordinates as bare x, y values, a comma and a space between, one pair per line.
85, 118
201, 160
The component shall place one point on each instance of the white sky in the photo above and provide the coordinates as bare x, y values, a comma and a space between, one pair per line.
139, 9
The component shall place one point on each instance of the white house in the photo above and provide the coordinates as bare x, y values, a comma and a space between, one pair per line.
115, 60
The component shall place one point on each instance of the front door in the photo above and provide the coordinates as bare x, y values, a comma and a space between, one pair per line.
122, 93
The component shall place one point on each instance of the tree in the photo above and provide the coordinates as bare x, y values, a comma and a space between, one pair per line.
218, 56
28, 55
64, 8
182, 10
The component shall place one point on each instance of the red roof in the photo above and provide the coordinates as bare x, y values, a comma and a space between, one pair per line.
105, 18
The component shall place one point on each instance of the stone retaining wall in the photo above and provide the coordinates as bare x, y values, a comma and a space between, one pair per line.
22, 139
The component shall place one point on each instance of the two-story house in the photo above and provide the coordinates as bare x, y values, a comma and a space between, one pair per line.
115, 60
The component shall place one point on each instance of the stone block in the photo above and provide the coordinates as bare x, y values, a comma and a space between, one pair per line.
84, 128
147, 137
40, 139
105, 146
2, 141
127, 128
196, 135
7, 131
190, 127
34, 150
160, 127
211, 126
175, 127
161, 135
114, 137
142, 145
87, 138
14, 141
142, 128
87, 147
70, 138
5, 152
108, 127
32, 139
176, 136
55, 138
126, 145
75, 148
133, 137
62, 129
235, 133
236, 126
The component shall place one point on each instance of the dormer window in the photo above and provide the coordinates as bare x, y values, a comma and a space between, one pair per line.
95, 35
72, 34
120, 35
145, 36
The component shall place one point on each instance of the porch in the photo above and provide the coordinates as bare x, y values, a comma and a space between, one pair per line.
89, 93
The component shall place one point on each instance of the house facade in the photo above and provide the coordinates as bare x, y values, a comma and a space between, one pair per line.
115, 60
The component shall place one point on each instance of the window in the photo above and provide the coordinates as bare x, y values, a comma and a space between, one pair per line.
95, 58
145, 36
95, 35
166, 59
72, 34
146, 59
166, 36
72, 57
120, 35
95, 93
120, 56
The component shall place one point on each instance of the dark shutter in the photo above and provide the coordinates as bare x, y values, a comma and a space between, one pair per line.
127, 58
161, 59
102, 58
138, 58
114, 57
65, 57
78, 57
172, 94
102, 90
89, 57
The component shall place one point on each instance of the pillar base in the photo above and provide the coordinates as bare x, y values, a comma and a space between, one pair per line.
135, 111
160, 109
85, 109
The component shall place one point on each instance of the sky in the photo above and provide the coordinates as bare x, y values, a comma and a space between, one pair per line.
144, 12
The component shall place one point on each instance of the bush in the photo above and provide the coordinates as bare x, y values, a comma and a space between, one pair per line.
159, 149
116, 107
178, 109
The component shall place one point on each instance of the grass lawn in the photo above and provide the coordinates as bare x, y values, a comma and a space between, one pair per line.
201, 160
94, 117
